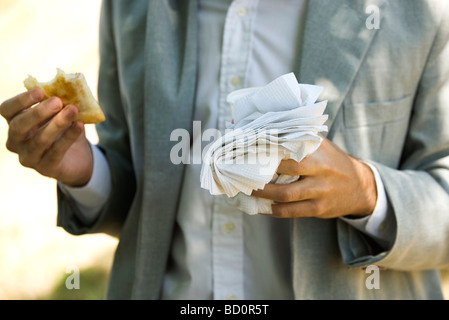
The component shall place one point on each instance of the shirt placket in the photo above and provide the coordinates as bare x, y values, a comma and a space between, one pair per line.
227, 222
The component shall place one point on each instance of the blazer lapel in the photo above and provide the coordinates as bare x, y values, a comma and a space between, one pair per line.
170, 80
334, 43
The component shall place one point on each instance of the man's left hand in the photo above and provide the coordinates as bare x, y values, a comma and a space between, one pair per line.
331, 184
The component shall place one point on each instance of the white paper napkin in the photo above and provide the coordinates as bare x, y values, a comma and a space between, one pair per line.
272, 123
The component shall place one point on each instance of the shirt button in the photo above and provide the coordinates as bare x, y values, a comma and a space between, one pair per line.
241, 12
230, 296
235, 81
229, 227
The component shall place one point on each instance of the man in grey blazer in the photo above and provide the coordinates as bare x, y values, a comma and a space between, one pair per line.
387, 86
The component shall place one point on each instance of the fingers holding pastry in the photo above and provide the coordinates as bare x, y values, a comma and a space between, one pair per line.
24, 125
11, 107
54, 155
46, 127
32, 150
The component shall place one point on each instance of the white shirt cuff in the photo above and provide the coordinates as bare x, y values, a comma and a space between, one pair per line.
376, 224
91, 197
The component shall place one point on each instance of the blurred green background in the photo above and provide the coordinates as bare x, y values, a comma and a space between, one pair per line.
36, 37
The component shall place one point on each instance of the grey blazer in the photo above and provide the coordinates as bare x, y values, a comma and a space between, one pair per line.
388, 95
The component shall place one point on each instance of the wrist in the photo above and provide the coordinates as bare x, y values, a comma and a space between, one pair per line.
77, 182
81, 177
367, 190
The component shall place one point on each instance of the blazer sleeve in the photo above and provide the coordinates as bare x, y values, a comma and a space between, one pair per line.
418, 192
114, 143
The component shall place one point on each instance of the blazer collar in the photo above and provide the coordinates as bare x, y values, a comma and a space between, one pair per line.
334, 42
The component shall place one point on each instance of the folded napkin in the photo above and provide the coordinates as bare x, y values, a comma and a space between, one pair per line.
272, 123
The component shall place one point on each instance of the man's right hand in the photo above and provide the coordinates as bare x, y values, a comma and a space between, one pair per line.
45, 136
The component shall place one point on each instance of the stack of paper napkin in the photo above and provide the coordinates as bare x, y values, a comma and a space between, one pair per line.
278, 121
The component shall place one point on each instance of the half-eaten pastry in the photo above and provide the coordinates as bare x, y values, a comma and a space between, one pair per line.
71, 88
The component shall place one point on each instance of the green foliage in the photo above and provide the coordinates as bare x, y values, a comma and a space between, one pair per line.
93, 284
